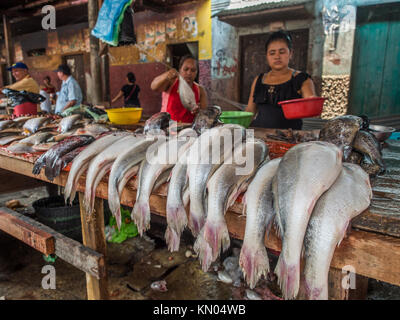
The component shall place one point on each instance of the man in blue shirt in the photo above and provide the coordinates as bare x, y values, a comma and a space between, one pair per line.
70, 93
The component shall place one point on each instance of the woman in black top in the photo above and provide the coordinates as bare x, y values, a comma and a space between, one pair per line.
130, 92
279, 84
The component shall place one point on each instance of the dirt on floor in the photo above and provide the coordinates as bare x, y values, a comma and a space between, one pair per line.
141, 268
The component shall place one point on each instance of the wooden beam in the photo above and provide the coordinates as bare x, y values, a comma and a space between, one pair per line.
67, 249
20, 227
94, 237
8, 45
95, 65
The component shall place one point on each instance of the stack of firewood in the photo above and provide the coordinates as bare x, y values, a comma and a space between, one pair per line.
336, 90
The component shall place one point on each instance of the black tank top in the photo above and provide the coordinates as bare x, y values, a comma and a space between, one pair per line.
266, 98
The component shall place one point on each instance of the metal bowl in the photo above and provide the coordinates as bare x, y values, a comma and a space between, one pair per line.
381, 133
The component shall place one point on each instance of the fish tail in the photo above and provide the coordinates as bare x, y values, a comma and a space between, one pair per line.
173, 239
195, 222
176, 218
203, 249
217, 236
310, 291
141, 216
288, 277
254, 263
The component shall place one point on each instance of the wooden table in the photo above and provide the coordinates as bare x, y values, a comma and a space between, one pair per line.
371, 254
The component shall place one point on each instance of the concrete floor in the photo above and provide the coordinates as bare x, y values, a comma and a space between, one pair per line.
133, 267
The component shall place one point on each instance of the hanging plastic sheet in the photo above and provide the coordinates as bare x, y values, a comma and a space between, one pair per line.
109, 20
127, 34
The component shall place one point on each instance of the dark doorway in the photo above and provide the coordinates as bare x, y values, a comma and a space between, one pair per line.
176, 51
253, 59
75, 62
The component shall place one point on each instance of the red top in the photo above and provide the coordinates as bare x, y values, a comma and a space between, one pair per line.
49, 90
175, 107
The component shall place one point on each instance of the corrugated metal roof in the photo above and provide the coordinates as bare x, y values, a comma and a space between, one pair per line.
247, 6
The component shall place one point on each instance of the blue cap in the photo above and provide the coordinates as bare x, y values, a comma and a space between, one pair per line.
18, 65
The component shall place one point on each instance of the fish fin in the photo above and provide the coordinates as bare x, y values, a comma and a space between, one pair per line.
172, 238
254, 263
278, 227
203, 249
345, 232
288, 277
141, 216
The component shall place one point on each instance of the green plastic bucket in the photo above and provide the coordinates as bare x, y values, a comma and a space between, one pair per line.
237, 117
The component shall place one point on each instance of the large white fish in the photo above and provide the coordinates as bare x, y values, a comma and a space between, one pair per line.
205, 156
346, 198
176, 202
81, 162
99, 166
67, 122
33, 125
224, 186
164, 157
124, 168
259, 216
306, 171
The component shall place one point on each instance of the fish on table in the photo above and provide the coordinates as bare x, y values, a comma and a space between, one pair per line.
82, 160
224, 186
176, 200
99, 166
206, 119
163, 157
67, 123
123, 169
305, 172
32, 125
157, 123
49, 158
204, 158
349, 196
4, 124
10, 138
258, 201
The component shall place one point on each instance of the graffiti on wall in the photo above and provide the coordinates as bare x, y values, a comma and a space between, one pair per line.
160, 33
189, 25
224, 65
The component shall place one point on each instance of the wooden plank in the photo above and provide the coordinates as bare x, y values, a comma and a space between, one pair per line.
71, 251
20, 228
93, 236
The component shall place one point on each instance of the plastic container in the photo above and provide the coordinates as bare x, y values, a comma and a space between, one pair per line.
302, 108
53, 213
395, 136
237, 117
124, 115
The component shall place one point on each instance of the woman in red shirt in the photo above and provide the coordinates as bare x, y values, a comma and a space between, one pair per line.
168, 84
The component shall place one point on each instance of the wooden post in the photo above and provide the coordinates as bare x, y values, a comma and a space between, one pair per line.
8, 44
93, 236
95, 65
336, 291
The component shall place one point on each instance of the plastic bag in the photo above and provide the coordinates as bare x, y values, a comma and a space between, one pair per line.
128, 228
127, 34
109, 20
187, 95
19, 97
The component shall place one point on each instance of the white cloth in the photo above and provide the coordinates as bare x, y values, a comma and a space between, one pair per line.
46, 104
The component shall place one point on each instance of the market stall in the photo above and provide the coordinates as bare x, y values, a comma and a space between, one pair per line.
372, 248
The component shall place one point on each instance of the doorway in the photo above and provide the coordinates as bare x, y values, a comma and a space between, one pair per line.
176, 51
375, 70
253, 59
75, 62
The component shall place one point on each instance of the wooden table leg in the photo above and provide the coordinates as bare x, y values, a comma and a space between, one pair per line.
357, 290
93, 236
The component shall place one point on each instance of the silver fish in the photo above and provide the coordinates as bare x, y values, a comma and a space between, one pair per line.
349, 196
32, 125
99, 166
37, 138
259, 215
21, 120
81, 162
176, 201
10, 138
224, 186
4, 124
306, 171
21, 147
123, 169
67, 122
164, 157
205, 156
93, 129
